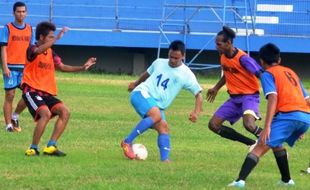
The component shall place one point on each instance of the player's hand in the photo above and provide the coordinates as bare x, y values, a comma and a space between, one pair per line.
264, 135
7, 72
193, 116
211, 94
62, 32
91, 61
131, 86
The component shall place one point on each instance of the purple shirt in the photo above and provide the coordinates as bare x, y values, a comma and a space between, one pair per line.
251, 65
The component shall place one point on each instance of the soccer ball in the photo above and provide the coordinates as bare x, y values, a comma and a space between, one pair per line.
140, 151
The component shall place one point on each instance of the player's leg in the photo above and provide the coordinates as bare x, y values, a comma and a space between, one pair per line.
249, 164
21, 105
63, 113
163, 139
250, 109
146, 107
280, 155
231, 112
7, 108
41, 114
15, 116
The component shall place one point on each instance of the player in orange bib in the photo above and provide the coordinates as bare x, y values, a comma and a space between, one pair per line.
39, 88
241, 74
287, 115
15, 39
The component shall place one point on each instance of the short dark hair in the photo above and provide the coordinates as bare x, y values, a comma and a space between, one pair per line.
18, 4
228, 34
177, 45
269, 53
43, 28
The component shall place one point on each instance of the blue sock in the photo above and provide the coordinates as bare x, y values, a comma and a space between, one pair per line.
34, 146
141, 127
163, 142
51, 143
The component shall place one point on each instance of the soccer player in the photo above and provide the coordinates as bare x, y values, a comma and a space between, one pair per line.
240, 77
39, 87
154, 91
287, 115
15, 39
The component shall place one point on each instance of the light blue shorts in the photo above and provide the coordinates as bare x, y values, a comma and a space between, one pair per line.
143, 102
13, 81
286, 131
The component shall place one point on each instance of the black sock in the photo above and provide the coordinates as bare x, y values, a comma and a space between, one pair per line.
232, 134
257, 131
249, 163
281, 158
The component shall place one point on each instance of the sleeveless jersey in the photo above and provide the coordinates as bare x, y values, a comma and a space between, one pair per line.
238, 79
39, 73
18, 42
289, 91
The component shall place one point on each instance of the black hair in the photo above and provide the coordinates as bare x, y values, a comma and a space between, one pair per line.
228, 34
43, 28
269, 53
177, 45
18, 4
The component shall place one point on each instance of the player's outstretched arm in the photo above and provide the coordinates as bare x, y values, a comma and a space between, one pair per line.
141, 79
43, 47
68, 68
193, 117
211, 93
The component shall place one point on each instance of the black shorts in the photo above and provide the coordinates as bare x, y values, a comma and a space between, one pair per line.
34, 102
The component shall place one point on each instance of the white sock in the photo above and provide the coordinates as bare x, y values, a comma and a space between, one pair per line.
15, 116
308, 170
9, 125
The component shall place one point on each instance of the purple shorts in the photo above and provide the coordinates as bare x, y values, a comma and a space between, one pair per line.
235, 107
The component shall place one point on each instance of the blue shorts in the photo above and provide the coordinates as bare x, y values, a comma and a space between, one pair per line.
13, 81
236, 106
143, 102
285, 131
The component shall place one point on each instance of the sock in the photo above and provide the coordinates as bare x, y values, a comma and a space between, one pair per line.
34, 146
248, 165
15, 116
140, 128
9, 125
232, 134
51, 143
257, 131
163, 142
281, 158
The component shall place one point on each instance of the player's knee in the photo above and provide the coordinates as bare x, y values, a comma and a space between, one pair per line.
213, 126
9, 96
65, 113
162, 127
249, 126
45, 114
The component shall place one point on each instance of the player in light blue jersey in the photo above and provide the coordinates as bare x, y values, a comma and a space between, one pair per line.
154, 91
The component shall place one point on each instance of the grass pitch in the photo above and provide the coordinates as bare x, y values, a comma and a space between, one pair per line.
102, 116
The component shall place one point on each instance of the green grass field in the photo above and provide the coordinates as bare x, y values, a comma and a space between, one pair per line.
102, 116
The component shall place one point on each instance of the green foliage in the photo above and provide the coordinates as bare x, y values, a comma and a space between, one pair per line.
102, 116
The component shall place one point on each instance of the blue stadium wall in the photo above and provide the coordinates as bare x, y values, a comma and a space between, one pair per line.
125, 34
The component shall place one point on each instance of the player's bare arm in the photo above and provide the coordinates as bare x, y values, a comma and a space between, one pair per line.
193, 117
141, 79
211, 94
271, 110
6, 70
68, 68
